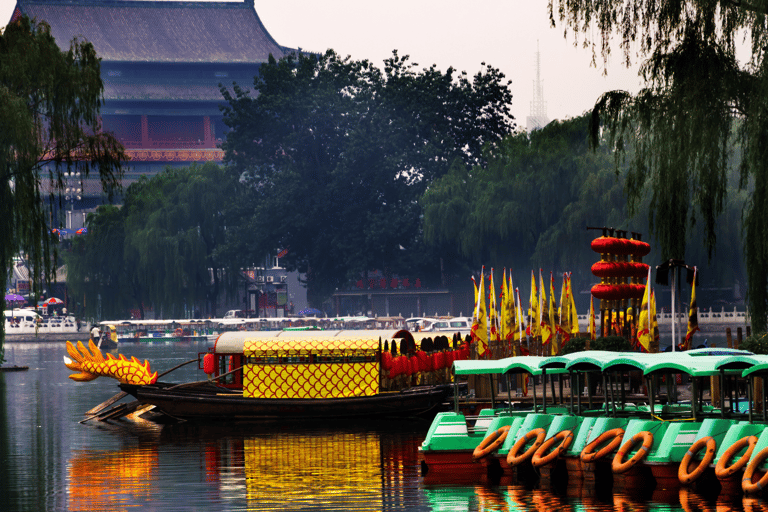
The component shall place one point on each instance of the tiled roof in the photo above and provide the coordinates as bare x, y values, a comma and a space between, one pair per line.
160, 91
160, 31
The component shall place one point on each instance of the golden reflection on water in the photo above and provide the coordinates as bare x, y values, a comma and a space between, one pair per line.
296, 471
110, 481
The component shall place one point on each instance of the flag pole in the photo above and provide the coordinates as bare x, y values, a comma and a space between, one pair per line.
674, 316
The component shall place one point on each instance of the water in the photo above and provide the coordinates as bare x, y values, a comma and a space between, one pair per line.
48, 461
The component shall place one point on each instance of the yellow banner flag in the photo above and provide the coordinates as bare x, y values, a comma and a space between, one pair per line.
644, 319
574, 321
544, 322
493, 316
480, 320
693, 314
592, 327
533, 311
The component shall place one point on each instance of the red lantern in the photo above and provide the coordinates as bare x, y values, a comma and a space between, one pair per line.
425, 362
640, 248
413, 365
624, 246
208, 364
618, 291
386, 360
620, 269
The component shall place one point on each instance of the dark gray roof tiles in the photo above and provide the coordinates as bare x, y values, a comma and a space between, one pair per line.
163, 31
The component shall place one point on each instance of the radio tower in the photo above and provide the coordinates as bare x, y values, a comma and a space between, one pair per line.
538, 118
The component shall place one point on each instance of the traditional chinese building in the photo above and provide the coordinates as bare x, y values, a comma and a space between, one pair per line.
162, 63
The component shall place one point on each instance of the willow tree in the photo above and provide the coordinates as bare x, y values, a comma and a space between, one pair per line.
677, 133
49, 113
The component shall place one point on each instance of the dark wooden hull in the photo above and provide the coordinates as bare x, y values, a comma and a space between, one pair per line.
210, 403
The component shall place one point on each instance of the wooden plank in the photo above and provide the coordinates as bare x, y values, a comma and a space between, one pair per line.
107, 403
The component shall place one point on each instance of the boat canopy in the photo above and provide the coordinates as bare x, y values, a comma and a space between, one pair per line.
631, 361
695, 366
337, 347
482, 366
527, 364
234, 342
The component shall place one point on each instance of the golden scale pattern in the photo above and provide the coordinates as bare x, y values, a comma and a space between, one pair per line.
312, 381
90, 362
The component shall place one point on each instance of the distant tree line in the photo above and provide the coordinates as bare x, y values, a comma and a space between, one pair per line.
345, 165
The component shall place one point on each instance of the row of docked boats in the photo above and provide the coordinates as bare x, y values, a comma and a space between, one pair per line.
640, 430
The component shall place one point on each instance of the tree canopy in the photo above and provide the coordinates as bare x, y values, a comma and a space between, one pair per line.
678, 133
49, 112
336, 153
161, 249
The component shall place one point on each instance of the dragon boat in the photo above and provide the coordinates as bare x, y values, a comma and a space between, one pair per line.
269, 375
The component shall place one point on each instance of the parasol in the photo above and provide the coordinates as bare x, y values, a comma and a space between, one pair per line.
311, 312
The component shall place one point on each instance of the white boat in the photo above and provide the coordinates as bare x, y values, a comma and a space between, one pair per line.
26, 323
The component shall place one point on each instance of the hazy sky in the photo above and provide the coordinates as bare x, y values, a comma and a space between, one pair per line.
502, 33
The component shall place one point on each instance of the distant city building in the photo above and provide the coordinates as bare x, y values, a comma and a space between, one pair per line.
538, 118
162, 63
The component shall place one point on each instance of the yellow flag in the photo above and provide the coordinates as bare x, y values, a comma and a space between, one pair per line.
554, 316
654, 320
493, 317
480, 320
507, 331
592, 327
533, 312
544, 318
520, 325
693, 314
574, 321
512, 313
644, 319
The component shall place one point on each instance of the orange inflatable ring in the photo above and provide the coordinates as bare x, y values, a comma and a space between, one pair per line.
687, 477
722, 469
747, 485
491, 443
539, 459
588, 454
514, 458
620, 465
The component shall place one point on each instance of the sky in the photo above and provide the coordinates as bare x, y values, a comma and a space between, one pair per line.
502, 33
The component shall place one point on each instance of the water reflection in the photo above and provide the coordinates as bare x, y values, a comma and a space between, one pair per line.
111, 480
48, 461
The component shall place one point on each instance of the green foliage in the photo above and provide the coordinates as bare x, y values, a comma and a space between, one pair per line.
608, 343
679, 130
49, 113
336, 153
161, 248
534, 198
757, 343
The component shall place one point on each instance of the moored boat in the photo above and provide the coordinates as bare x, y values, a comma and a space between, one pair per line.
299, 374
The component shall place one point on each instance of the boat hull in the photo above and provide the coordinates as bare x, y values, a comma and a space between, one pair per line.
207, 402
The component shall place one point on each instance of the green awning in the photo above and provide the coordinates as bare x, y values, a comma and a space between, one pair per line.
695, 366
481, 366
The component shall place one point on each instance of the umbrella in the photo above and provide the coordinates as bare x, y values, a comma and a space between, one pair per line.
81, 231
310, 312
14, 298
52, 301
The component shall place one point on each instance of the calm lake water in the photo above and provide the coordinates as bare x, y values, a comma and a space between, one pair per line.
49, 461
